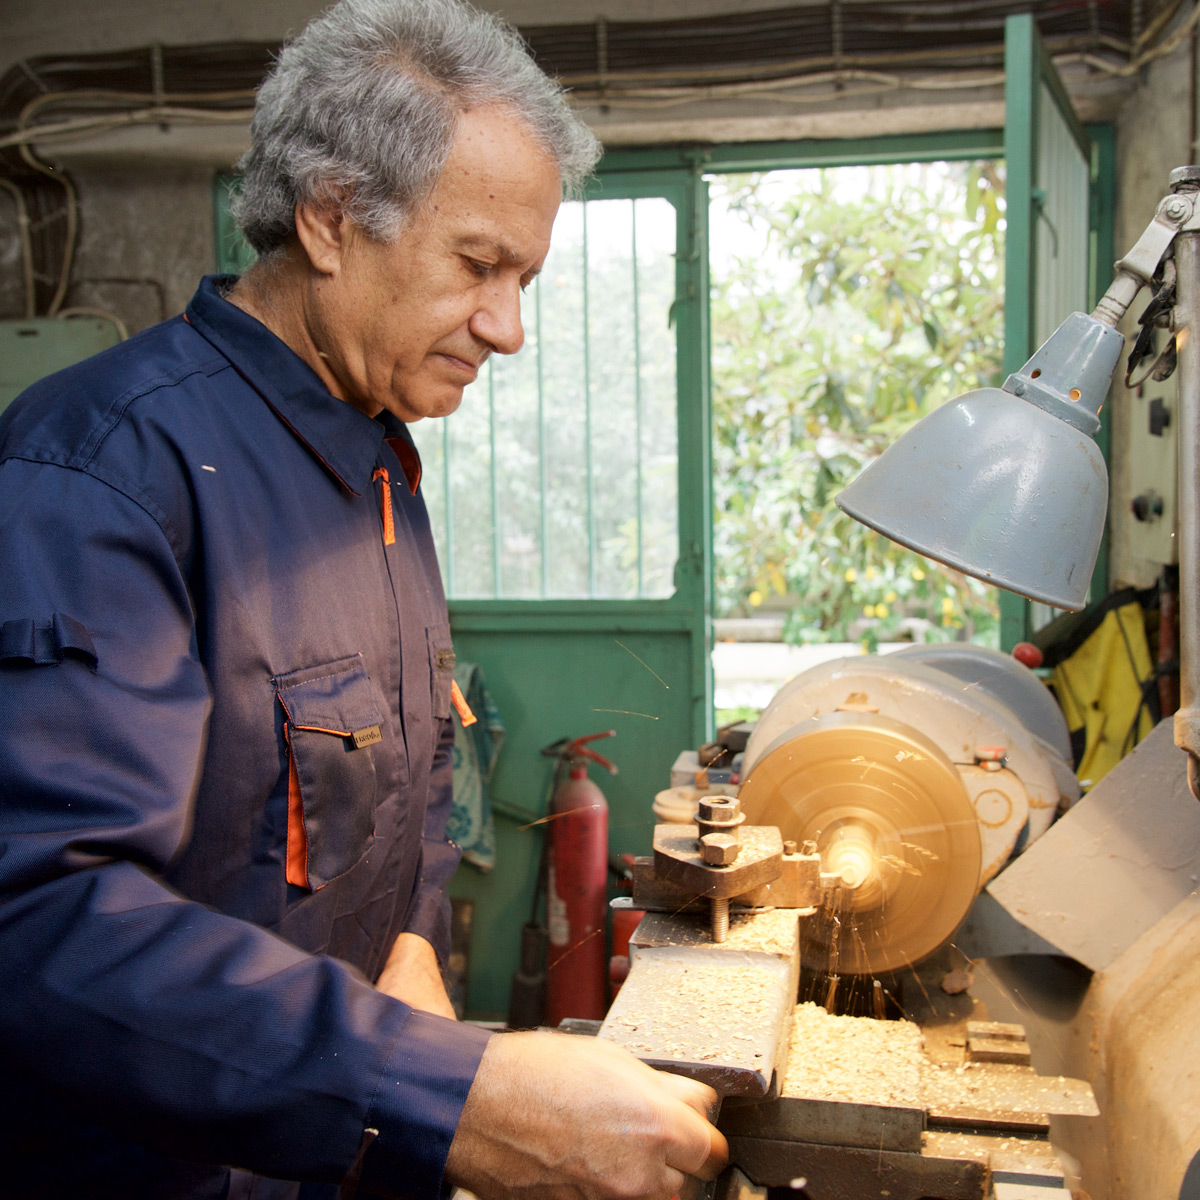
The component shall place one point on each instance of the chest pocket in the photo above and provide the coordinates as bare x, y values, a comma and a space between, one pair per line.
333, 723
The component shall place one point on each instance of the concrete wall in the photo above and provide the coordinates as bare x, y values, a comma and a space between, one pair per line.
1153, 132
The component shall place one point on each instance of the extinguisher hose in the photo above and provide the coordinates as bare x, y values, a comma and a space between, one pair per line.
562, 763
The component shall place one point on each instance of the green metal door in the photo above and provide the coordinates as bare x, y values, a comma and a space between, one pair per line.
555, 493
1056, 223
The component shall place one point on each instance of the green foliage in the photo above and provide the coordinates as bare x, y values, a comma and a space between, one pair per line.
855, 301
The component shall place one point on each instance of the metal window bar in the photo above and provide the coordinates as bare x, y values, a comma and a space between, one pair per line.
637, 397
497, 582
587, 414
543, 473
447, 510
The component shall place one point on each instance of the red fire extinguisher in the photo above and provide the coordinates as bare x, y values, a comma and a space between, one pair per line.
576, 878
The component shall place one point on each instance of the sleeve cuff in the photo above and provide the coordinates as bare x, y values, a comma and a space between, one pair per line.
418, 1102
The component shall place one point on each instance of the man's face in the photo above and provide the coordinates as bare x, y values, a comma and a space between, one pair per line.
406, 325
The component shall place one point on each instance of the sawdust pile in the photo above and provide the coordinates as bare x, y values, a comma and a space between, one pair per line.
774, 932
700, 1011
854, 1059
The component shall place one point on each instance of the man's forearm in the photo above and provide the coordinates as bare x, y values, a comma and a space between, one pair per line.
412, 974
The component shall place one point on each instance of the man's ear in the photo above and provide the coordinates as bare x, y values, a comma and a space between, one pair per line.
322, 232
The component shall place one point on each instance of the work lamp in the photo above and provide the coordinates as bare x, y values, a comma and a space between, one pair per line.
1008, 484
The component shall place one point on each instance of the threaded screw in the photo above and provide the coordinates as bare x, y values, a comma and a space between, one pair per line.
720, 919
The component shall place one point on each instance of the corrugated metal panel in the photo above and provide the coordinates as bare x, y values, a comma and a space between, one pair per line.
1061, 231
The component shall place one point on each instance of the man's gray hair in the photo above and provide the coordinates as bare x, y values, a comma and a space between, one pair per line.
361, 109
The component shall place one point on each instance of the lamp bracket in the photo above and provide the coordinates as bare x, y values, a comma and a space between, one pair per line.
1176, 212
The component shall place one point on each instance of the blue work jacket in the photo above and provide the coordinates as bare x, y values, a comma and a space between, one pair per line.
225, 680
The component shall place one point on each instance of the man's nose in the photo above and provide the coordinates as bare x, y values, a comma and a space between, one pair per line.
498, 319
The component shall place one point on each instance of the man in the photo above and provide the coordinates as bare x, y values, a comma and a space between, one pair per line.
225, 684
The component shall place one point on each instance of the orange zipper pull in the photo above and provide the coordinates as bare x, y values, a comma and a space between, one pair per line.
465, 715
385, 508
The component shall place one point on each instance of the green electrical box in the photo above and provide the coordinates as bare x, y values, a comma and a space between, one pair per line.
35, 348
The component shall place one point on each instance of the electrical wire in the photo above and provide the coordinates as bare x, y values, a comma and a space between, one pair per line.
71, 217
84, 310
155, 285
777, 88
18, 198
85, 126
1167, 46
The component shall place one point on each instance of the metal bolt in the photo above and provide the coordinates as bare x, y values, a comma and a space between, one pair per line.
1177, 209
719, 849
789, 847
717, 821
720, 919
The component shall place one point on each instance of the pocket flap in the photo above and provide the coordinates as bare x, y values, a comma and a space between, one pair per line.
335, 697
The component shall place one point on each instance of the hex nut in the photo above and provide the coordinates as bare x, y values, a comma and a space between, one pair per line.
719, 849
723, 810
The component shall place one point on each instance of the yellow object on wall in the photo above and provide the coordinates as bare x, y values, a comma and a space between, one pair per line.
1101, 685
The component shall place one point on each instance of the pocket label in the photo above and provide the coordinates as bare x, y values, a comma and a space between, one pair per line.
367, 737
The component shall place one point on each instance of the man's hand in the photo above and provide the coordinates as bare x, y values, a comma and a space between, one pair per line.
574, 1118
411, 974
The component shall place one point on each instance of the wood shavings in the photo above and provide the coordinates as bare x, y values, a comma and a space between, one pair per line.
853, 1059
775, 932
700, 1011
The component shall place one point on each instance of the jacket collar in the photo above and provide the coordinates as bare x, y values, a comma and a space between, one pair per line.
344, 440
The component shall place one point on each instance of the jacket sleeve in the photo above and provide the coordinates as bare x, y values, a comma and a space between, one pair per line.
206, 1037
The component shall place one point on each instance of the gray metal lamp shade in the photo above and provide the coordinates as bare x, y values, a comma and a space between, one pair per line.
1006, 484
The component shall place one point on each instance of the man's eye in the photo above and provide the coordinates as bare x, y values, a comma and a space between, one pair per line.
482, 269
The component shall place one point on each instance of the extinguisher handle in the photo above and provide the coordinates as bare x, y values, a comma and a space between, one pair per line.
591, 737
584, 752
578, 748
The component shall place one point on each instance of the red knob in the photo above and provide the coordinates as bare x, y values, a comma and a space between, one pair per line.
1028, 654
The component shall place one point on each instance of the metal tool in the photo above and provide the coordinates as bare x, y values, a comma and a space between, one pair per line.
710, 859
